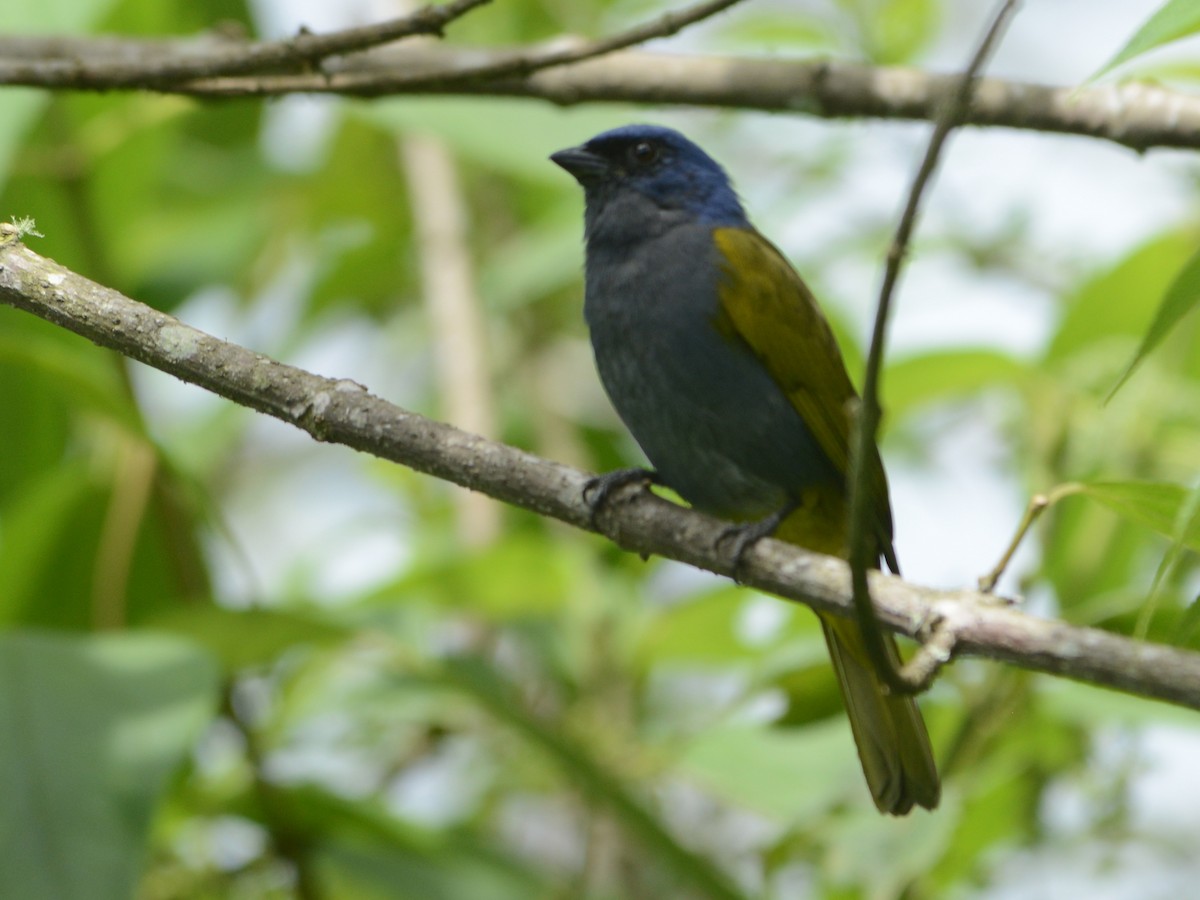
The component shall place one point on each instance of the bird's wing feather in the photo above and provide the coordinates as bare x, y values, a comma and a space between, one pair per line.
765, 303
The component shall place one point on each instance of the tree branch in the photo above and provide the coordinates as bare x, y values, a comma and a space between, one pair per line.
226, 56
305, 49
1139, 116
343, 412
523, 64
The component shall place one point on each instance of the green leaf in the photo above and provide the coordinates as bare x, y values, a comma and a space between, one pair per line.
46, 519
1088, 706
589, 775
703, 630
1157, 505
364, 851
902, 28
1186, 520
1118, 301
90, 731
1174, 20
1180, 299
709, 630
791, 775
19, 107
778, 29
945, 374
539, 259
45, 356
520, 575
857, 842
242, 638
469, 126
1189, 624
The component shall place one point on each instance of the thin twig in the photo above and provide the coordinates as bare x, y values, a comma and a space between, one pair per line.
524, 65
863, 552
1038, 504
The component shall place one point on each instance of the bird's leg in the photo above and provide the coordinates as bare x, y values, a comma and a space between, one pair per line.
746, 534
598, 490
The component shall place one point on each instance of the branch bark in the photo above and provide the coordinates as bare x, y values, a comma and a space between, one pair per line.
1139, 116
181, 61
340, 411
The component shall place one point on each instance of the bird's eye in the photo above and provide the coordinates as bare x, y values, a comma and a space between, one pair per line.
643, 153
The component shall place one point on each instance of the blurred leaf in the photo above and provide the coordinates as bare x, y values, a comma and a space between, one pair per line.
244, 638
56, 528
83, 377
859, 840
1119, 300
1091, 556
942, 374
759, 30
531, 132
366, 870
90, 730
1187, 520
519, 575
49, 376
362, 850
1189, 625
699, 630
540, 259
356, 236
174, 201
173, 19
1175, 19
810, 687
791, 775
40, 579
901, 29
1157, 505
19, 107
711, 629
1180, 299
589, 775
1086, 706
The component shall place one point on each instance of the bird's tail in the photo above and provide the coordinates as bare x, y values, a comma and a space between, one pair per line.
893, 744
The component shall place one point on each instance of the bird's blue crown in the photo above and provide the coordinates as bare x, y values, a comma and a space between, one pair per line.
665, 166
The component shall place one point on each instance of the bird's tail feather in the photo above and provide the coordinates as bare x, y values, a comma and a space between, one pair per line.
893, 744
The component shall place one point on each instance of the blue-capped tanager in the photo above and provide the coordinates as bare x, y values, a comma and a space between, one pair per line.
719, 361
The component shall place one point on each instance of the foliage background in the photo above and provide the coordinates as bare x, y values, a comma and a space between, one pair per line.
237, 664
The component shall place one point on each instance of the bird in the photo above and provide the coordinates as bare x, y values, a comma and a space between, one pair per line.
720, 363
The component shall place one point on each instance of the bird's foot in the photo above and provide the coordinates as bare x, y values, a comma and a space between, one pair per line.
598, 490
745, 535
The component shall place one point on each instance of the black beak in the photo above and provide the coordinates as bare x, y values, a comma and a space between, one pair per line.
582, 163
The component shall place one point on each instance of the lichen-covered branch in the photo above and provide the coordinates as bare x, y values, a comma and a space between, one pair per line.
339, 411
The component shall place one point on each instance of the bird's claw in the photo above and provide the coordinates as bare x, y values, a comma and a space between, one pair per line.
598, 490
745, 535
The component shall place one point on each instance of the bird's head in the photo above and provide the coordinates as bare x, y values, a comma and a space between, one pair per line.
659, 164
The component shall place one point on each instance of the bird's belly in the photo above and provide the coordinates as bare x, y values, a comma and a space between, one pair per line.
708, 416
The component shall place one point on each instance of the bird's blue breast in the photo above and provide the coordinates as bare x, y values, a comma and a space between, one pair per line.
708, 415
